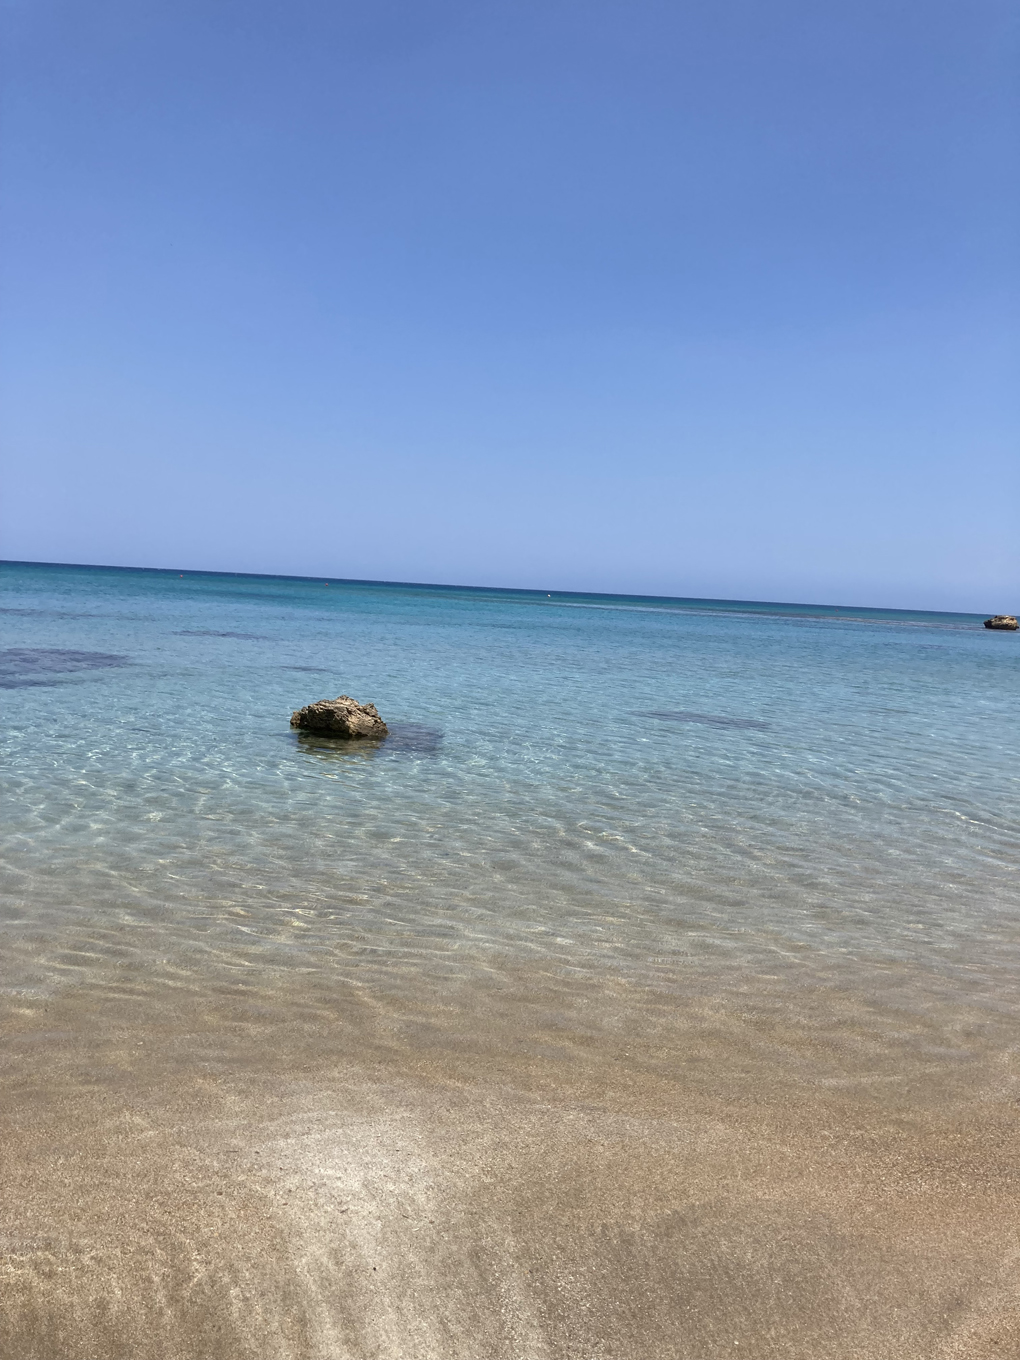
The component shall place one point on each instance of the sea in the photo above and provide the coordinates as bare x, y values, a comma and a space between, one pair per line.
651, 990
586, 785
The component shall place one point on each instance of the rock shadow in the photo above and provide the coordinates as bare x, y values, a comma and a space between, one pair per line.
405, 739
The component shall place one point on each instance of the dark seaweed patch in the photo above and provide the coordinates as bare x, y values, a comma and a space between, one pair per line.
48, 613
706, 719
21, 667
211, 632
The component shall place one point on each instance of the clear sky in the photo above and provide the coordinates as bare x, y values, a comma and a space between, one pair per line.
708, 297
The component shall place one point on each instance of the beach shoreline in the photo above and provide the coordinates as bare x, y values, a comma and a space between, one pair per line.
650, 992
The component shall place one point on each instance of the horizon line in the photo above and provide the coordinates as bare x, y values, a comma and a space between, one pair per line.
505, 590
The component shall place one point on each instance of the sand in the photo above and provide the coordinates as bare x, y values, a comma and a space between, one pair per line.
303, 1168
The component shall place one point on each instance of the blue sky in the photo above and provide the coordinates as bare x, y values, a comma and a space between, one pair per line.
710, 299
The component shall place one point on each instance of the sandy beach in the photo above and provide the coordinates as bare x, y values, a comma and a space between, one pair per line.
512, 1169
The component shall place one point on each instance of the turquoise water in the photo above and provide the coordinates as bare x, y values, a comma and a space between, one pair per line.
573, 783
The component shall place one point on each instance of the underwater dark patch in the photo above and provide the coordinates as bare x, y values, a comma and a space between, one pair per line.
405, 739
49, 613
413, 738
21, 667
707, 719
211, 632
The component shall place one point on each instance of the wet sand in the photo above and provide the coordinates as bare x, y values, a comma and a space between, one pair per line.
303, 1168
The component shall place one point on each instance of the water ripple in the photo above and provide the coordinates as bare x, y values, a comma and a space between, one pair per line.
706, 719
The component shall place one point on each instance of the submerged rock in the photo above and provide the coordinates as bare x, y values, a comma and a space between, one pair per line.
1007, 622
343, 717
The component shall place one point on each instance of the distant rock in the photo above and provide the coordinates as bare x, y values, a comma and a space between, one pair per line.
343, 717
1007, 622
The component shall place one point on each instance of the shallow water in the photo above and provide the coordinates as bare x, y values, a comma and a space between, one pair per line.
584, 782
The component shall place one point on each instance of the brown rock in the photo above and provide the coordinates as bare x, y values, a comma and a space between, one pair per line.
1007, 622
343, 717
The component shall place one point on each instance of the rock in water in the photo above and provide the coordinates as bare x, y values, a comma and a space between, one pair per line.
343, 717
1007, 622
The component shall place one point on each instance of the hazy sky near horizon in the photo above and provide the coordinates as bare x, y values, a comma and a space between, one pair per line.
711, 299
